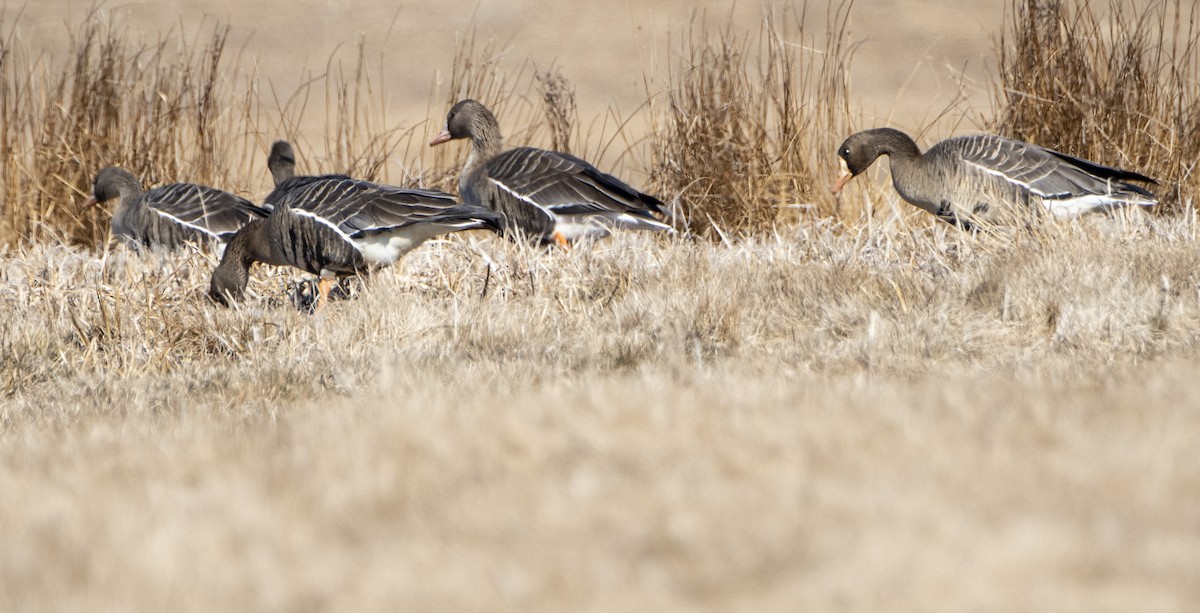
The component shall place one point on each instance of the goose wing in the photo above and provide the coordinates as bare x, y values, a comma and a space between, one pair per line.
211, 211
563, 184
1047, 173
310, 186
359, 207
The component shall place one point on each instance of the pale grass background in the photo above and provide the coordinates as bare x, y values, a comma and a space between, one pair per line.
914, 58
901, 418
894, 417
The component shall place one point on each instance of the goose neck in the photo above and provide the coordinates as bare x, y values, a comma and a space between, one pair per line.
253, 245
486, 142
899, 146
246, 247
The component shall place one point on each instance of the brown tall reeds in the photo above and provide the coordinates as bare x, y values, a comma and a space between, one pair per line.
359, 138
177, 109
746, 130
1114, 84
558, 104
740, 131
163, 110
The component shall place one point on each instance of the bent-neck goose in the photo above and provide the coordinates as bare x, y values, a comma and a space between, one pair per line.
170, 215
981, 179
335, 225
546, 195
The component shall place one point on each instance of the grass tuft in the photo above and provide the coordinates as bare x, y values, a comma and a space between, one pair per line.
744, 136
558, 104
1109, 83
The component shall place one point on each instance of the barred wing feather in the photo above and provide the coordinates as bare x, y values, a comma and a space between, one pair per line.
566, 185
1046, 173
212, 211
360, 207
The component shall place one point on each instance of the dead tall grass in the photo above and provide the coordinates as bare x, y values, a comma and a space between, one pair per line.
1109, 82
558, 99
743, 134
181, 108
739, 132
359, 136
165, 110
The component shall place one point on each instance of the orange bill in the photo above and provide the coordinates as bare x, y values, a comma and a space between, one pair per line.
440, 138
843, 178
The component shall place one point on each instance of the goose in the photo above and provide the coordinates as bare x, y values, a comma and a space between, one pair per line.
978, 180
544, 195
333, 225
168, 216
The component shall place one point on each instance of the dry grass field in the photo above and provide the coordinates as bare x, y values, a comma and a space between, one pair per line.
804, 404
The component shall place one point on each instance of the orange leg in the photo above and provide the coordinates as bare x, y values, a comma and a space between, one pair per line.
562, 241
323, 287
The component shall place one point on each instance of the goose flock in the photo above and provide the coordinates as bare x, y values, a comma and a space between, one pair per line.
335, 225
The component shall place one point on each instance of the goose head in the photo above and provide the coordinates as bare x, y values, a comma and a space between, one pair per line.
113, 182
468, 119
857, 153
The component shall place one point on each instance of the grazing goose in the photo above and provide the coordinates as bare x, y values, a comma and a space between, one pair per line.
170, 215
546, 195
984, 179
334, 225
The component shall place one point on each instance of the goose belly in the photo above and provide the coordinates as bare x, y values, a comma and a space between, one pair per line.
381, 250
574, 227
385, 248
1066, 208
